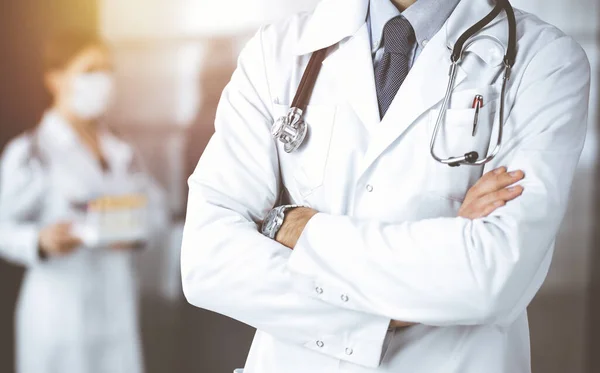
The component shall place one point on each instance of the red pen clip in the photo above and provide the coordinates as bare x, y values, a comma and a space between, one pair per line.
477, 104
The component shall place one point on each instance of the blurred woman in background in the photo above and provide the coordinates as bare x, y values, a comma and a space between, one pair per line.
75, 206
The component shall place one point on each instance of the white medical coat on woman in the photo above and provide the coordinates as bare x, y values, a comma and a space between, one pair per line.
77, 313
387, 243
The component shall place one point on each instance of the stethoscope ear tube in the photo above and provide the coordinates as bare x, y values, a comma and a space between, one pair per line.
511, 51
460, 43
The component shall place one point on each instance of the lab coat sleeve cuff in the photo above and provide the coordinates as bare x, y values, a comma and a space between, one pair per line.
313, 263
30, 239
23, 247
363, 345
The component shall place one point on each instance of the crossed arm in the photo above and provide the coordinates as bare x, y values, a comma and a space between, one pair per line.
492, 191
486, 269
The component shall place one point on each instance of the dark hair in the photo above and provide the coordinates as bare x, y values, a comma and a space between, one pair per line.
61, 48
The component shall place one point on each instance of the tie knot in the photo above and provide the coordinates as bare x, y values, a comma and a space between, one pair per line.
398, 36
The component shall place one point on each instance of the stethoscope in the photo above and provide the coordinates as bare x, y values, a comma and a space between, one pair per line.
291, 129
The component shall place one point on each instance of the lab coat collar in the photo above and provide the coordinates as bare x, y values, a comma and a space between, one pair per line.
335, 20
57, 130
331, 22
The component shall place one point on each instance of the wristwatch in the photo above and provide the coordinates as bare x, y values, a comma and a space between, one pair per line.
274, 220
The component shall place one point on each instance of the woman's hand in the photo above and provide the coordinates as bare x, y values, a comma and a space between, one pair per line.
57, 240
490, 192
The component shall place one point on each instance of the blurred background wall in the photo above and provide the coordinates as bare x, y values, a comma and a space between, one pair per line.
173, 58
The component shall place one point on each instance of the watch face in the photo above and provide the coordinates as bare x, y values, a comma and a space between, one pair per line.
269, 223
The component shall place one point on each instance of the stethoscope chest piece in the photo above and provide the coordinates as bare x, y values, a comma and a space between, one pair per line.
290, 129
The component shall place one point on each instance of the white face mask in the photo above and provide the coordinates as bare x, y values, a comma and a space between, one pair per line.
92, 94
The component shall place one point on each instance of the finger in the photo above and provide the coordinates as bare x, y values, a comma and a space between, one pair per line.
486, 205
487, 210
506, 194
491, 175
512, 192
509, 178
480, 187
499, 181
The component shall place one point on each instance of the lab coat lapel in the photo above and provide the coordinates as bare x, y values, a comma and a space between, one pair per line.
352, 66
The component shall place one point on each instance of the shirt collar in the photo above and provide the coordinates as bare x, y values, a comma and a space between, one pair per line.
425, 16
380, 12
334, 20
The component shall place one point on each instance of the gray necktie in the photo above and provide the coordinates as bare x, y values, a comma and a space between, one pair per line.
398, 39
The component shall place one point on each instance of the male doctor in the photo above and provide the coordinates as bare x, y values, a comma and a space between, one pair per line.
395, 262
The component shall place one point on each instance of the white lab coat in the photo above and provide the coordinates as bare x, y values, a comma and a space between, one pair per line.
387, 243
75, 314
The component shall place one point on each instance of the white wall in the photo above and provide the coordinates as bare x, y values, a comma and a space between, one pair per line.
159, 19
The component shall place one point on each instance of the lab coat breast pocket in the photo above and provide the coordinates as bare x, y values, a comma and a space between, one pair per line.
303, 170
455, 138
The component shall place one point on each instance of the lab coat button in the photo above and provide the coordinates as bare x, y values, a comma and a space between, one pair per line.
320, 344
349, 351
319, 290
424, 42
369, 188
344, 298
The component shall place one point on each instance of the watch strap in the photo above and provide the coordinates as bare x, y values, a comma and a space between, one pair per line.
283, 209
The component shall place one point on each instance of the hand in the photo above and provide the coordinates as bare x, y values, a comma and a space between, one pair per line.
491, 192
127, 246
57, 240
293, 225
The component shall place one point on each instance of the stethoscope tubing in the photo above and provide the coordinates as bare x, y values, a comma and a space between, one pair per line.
471, 158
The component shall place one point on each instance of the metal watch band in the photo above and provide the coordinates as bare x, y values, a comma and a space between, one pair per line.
274, 220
